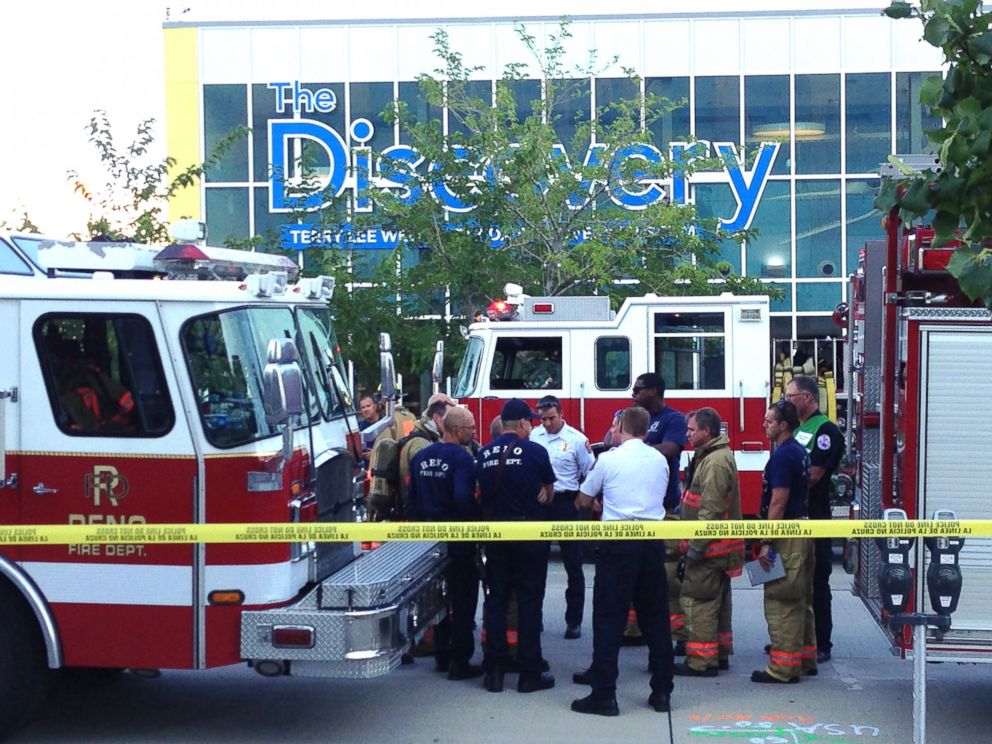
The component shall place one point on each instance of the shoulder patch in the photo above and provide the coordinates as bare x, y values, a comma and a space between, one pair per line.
823, 442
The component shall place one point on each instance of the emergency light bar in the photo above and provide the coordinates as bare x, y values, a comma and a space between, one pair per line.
186, 261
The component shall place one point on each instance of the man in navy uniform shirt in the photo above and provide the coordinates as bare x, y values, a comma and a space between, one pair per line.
442, 488
515, 481
788, 601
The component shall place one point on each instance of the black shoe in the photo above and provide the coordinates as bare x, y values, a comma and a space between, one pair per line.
512, 666
768, 648
493, 681
572, 632
765, 678
811, 672
406, 659
660, 701
583, 678
679, 649
596, 706
463, 670
723, 665
822, 657
684, 670
442, 663
535, 682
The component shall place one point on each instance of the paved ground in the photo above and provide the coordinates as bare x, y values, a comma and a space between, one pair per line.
863, 695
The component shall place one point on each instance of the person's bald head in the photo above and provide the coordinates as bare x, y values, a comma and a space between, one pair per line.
459, 425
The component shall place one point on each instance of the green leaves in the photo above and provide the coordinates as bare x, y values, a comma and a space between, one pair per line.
960, 195
898, 9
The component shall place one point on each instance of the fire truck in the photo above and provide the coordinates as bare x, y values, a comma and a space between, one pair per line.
711, 351
921, 411
213, 395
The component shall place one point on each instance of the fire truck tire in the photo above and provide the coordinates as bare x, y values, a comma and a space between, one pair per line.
24, 674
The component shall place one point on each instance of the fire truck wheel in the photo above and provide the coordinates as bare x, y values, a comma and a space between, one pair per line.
24, 673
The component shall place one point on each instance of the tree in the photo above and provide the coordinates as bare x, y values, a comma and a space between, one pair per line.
960, 193
130, 204
510, 204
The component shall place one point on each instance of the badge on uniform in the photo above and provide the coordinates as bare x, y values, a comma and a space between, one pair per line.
564, 446
823, 442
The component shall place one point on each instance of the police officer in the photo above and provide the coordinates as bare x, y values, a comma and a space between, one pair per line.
442, 488
712, 493
515, 481
630, 478
825, 444
667, 434
788, 612
571, 459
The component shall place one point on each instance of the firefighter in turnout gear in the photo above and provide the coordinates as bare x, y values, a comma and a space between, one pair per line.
712, 492
788, 600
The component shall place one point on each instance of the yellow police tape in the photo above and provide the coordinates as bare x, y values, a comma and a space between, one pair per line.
77, 534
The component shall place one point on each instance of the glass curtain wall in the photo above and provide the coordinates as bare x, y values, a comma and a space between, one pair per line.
815, 210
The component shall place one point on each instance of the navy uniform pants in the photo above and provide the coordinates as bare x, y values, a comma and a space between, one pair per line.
520, 567
822, 596
561, 510
630, 572
453, 636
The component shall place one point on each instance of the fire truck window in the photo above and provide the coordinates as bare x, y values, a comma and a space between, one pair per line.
10, 262
226, 353
690, 350
470, 368
319, 350
103, 375
526, 364
613, 363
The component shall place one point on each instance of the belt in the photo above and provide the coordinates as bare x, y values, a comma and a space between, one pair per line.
566, 495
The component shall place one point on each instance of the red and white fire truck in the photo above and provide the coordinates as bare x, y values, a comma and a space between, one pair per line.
711, 351
921, 411
125, 400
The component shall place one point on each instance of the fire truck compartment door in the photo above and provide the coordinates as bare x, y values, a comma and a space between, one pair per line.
955, 467
104, 440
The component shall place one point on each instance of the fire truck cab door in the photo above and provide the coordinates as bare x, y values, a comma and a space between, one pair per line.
9, 426
103, 440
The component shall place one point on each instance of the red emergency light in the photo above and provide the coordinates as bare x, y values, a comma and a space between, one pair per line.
543, 308
500, 310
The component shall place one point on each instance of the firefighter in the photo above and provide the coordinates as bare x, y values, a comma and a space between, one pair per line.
428, 429
825, 445
516, 481
784, 495
442, 488
713, 493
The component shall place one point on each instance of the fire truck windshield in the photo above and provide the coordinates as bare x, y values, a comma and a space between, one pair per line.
226, 353
470, 368
322, 358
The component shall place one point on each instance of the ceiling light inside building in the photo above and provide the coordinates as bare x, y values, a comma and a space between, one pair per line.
779, 131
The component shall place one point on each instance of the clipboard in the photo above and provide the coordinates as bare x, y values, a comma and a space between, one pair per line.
758, 575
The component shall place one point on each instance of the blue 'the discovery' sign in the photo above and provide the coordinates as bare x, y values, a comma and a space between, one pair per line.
357, 170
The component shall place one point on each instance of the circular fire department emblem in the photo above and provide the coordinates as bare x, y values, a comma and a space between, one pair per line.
823, 442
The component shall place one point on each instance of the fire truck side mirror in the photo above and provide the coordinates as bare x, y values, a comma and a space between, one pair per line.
895, 579
437, 370
944, 572
387, 369
282, 382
